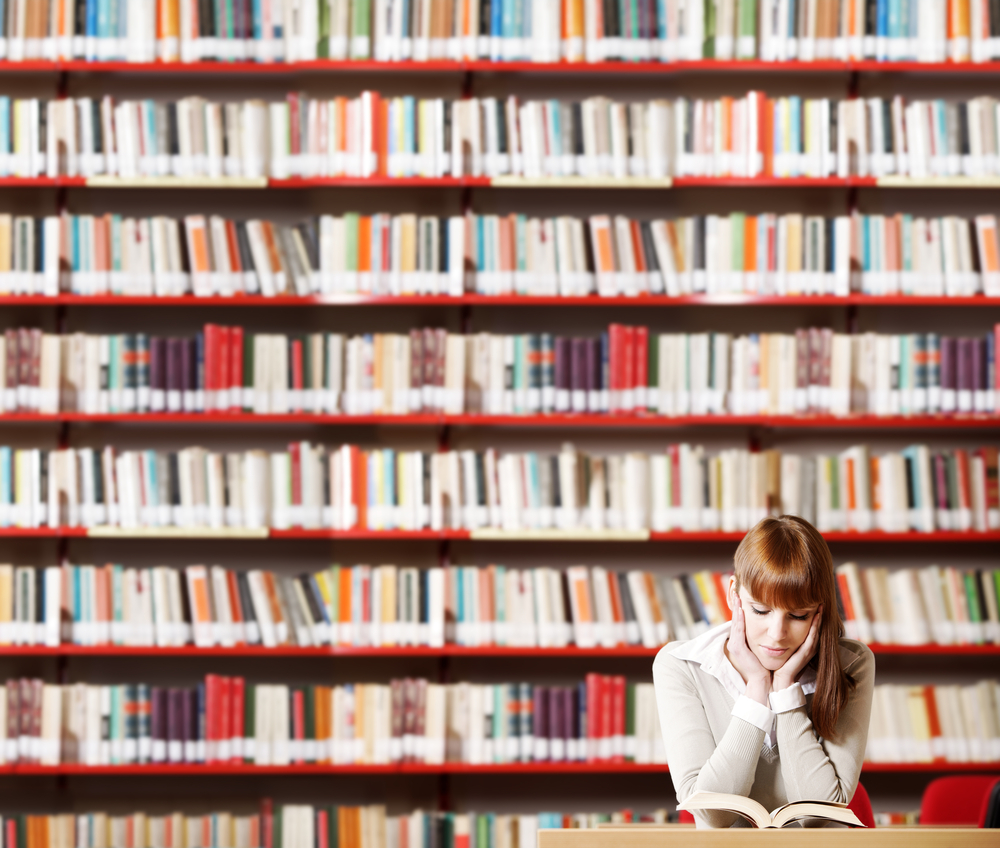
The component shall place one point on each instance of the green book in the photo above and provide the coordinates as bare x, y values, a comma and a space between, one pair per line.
333, 827
974, 600
276, 835
361, 28
737, 230
708, 48
834, 467
323, 42
630, 722
309, 696
249, 722
351, 237
482, 831
746, 30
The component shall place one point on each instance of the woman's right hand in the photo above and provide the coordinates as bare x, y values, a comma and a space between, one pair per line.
758, 678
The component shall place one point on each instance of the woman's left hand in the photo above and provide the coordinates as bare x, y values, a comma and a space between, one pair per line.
790, 671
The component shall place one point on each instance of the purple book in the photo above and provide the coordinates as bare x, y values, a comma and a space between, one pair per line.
578, 375
175, 725
541, 723
978, 365
593, 381
158, 724
190, 726
557, 733
563, 369
964, 376
157, 373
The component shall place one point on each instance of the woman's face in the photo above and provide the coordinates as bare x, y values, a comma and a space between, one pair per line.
773, 634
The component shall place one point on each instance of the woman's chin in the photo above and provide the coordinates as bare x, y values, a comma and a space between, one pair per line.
770, 661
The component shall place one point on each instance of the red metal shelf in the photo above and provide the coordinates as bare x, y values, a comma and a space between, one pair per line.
421, 768
41, 182
488, 66
410, 535
641, 301
803, 422
379, 182
624, 651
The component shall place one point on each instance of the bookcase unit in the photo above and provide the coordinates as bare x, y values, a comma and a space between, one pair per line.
524, 786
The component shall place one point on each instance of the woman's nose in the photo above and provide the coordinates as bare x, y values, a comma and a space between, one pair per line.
776, 627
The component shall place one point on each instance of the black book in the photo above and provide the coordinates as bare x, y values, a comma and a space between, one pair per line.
95, 122
557, 495
963, 128
314, 603
485, 19
172, 132
628, 608
649, 247
39, 611
871, 18
99, 480
995, 18
443, 250
700, 228
577, 109
480, 462
307, 229
887, 133
246, 602
503, 140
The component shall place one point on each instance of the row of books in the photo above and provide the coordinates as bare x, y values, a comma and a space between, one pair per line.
231, 720
346, 487
496, 255
600, 719
560, 30
921, 724
385, 605
358, 605
626, 370
301, 136
919, 606
298, 826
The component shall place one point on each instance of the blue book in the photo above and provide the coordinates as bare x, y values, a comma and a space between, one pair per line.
103, 25
6, 486
795, 142
256, 14
5, 139
522, 29
409, 131
509, 23
90, 30
881, 29
496, 29
892, 28
460, 602
661, 21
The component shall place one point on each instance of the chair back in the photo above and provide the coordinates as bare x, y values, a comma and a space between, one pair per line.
861, 806
957, 799
990, 816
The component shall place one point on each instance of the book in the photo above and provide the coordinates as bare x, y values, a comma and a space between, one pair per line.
757, 815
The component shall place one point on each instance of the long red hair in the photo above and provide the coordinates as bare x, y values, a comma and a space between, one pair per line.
785, 563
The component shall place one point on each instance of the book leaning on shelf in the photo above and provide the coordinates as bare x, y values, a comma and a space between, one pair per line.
557, 30
228, 720
296, 826
405, 136
626, 370
493, 255
357, 606
348, 488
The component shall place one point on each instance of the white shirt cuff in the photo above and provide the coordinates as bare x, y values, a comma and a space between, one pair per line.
754, 712
790, 698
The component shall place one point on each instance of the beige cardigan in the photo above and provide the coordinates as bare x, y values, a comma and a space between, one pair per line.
710, 749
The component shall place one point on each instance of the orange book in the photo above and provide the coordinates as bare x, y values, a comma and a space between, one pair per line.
654, 601
272, 247
364, 244
197, 238
361, 484
344, 613
937, 740
959, 30
726, 116
380, 135
720, 590
234, 602
201, 610
272, 598
617, 611
234, 251
875, 494
845, 597
852, 501
750, 243
637, 248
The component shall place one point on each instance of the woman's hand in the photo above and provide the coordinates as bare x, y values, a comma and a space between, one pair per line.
790, 671
758, 678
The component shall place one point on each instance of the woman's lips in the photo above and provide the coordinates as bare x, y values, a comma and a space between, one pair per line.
773, 652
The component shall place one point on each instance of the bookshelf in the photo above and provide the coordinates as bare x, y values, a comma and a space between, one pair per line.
296, 549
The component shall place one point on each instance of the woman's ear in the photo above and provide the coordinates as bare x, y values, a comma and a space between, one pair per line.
732, 598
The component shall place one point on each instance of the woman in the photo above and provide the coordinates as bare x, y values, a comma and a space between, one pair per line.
774, 705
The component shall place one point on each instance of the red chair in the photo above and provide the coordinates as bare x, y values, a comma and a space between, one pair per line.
957, 800
861, 806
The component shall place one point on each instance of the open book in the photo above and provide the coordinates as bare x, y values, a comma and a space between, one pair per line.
757, 815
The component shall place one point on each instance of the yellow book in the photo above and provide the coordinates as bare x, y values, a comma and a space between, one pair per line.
6, 604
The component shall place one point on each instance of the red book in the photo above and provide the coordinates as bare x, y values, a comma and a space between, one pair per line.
294, 450
641, 367
627, 378
767, 127
322, 825
234, 604
297, 371
618, 718
845, 597
237, 702
211, 365
298, 724
616, 368
675, 474
616, 603
593, 682
720, 590
295, 136
211, 717
223, 749
233, 245
222, 386
235, 368
605, 718
267, 823
962, 478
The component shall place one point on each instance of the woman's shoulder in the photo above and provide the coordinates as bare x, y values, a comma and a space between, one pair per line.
856, 657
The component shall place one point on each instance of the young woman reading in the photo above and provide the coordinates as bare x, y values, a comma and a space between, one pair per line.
775, 705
